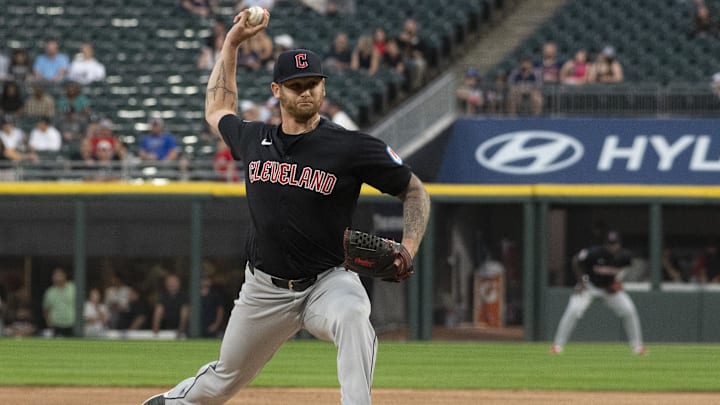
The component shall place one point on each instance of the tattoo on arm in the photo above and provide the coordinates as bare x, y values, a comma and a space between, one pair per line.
221, 87
416, 210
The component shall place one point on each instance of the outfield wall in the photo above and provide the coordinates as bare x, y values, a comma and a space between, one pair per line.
89, 226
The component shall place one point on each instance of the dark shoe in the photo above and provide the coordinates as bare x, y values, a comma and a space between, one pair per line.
158, 399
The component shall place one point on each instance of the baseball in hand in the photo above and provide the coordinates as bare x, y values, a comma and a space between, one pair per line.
255, 15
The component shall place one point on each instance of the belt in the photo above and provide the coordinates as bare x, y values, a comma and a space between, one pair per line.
298, 285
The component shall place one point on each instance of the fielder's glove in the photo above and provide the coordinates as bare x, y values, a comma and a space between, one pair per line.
373, 256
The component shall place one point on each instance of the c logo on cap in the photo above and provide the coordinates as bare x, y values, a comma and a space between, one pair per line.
301, 61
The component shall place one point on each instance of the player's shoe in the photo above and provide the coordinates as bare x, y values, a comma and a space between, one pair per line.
158, 399
640, 351
556, 349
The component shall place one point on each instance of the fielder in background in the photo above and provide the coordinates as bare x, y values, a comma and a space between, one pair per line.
303, 180
597, 268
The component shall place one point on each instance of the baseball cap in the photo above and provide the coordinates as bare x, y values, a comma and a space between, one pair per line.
612, 237
297, 63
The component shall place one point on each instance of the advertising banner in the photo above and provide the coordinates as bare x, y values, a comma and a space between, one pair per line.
583, 151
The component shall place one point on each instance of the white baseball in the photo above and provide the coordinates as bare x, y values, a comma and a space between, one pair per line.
255, 15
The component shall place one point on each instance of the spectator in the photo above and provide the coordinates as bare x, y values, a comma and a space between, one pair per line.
715, 84
117, 299
672, 270
549, 65
219, 29
84, 68
210, 54
213, 309
392, 58
262, 46
136, 315
11, 136
21, 322
339, 7
413, 49
40, 104
380, 41
20, 66
339, 55
11, 101
705, 26
201, 8
172, 310
59, 304
283, 42
365, 57
51, 65
7, 171
707, 264
606, 68
224, 164
524, 85
335, 112
247, 58
158, 145
495, 96
73, 101
470, 94
13, 143
104, 166
101, 132
576, 71
4, 66
44, 137
96, 314
243, 4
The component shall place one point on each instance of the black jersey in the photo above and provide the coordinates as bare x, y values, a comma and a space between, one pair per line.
593, 259
302, 190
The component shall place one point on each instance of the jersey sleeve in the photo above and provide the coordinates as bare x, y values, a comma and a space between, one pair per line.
376, 164
230, 127
238, 133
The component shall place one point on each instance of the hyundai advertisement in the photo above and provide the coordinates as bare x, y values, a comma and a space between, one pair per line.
581, 151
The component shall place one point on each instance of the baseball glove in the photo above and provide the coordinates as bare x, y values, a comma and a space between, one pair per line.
373, 256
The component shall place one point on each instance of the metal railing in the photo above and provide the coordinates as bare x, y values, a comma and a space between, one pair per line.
59, 168
636, 99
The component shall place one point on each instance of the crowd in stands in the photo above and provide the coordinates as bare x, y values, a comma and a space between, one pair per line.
33, 113
522, 86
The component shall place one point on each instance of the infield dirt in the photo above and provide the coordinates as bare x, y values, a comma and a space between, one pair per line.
307, 396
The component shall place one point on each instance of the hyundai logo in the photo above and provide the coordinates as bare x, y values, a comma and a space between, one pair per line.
529, 152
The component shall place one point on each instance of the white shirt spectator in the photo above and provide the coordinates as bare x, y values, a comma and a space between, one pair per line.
45, 140
13, 139
95, 316
84, 68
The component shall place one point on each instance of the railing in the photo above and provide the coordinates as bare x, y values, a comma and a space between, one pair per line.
60, 169
636, 99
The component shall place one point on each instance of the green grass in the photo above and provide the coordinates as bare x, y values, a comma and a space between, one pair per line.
399, 365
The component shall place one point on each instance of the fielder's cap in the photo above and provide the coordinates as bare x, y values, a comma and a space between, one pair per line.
297, 63
612, 237
157, 121
472, 72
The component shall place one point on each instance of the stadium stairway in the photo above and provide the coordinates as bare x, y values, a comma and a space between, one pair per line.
521, 21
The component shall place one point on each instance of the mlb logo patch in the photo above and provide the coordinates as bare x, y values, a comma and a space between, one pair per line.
394, 156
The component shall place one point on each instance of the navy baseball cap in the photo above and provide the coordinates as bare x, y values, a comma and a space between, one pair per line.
297, 63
